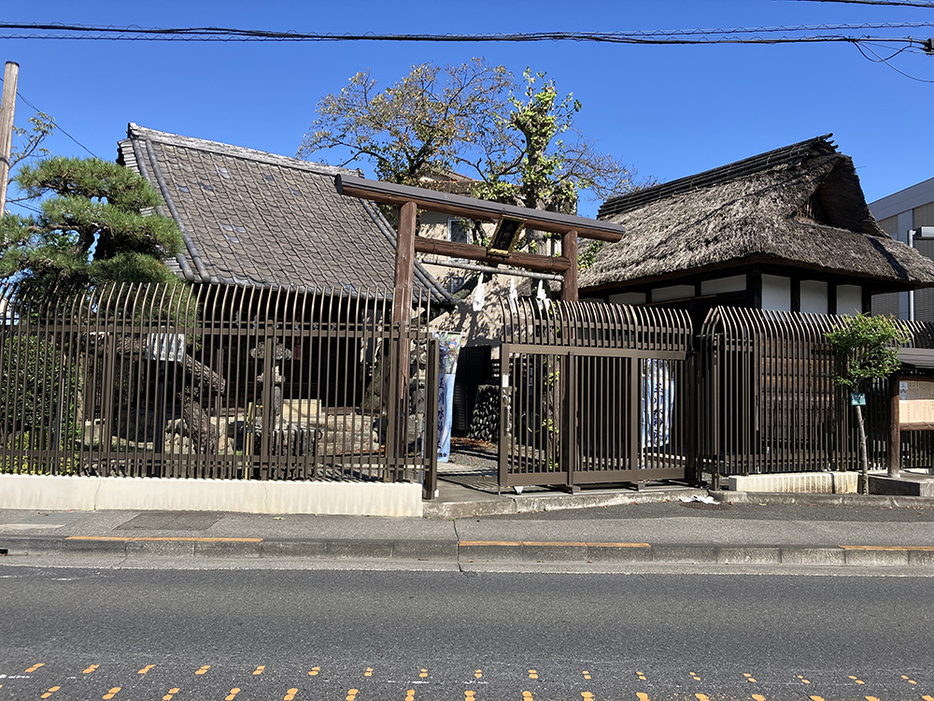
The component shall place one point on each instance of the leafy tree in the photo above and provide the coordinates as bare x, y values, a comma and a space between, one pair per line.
414, 128
518, 139
29, 144
867, 350
95, 226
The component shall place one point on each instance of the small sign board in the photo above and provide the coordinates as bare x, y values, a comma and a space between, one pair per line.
857, 399
916, 402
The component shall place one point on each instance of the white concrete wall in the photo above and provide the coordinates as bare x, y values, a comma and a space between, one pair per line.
255, 496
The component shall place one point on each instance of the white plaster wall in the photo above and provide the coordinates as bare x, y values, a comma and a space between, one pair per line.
814, 297
776, 293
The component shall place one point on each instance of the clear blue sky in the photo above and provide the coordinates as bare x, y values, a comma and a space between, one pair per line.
669, 111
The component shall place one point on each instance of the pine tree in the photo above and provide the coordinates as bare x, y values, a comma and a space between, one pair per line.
96, 226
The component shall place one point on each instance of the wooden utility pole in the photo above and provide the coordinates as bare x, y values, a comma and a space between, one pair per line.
7, 107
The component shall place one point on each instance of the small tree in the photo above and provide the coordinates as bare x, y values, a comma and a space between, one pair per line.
867, 350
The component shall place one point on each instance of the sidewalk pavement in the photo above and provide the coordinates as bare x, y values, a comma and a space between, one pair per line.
467, 525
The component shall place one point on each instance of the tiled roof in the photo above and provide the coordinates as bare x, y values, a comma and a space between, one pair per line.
259, 219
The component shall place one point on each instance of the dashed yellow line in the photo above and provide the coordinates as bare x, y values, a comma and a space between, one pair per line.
352, 694
90, 669
51, 691
587, 696
586, 674
803, 680
749, 677
423, 673
110, 694
928, 698
816, 698
527, 696
641, 676
642, 696
171, 694
857, 680
908, 679
204, 670
259, 670
871, 698
478, 674
758, 697
410, 695
34, 667
290, 695
702, 697
533, 674
150, 539
233, 694
315, 671
368, 672
146, 669
694, 676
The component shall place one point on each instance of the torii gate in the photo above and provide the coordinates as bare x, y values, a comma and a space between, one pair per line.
510, 220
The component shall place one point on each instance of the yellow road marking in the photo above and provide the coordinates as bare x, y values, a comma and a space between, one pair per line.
352, 694
701, 697
35, 667
803, 680
642, 696
928, 698
51, 691
90, 669
259, 670
469, 695
163, 538
423, 673
748, 677
694, 675
587, 696
855, 679
898, 548
527, 696
551, 544
478, 674
816, 698
871, 698
641, 676
368, 672
586, 674
110, 694
233, 694
410, 695
758, 697
172, 692
146, 669
204, 669
314, 671
290, 695
533, 674
907, 679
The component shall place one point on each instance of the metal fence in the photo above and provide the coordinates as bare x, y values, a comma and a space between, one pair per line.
595, 394
768, 404
215, 381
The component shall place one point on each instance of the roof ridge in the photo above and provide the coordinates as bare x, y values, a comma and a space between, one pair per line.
720, 174
139, 132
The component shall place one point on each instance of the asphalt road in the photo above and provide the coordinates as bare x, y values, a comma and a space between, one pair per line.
241, 635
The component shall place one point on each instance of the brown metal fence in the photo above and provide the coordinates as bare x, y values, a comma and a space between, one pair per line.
595, 394
768, 405
216, 381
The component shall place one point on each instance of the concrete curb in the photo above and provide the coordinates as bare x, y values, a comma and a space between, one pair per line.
468, 552
806, 499
511, 504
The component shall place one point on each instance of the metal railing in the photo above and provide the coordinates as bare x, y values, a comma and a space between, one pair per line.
595, 394
215, 381
768, 403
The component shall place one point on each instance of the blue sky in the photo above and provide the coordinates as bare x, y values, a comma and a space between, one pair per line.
669, 111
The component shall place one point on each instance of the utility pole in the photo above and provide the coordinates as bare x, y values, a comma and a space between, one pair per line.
7, 107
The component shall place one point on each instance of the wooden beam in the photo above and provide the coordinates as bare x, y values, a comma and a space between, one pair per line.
569, 289
518, 259
472, 208
405, 265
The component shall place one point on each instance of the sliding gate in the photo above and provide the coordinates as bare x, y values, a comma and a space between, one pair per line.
595, 394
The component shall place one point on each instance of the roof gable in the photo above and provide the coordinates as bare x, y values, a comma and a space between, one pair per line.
798, 206
259, 219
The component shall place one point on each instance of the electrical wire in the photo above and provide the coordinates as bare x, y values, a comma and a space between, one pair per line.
880, 59
896, 3
678, 36
57, 126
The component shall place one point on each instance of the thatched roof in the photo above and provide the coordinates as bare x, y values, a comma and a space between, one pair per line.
800, 206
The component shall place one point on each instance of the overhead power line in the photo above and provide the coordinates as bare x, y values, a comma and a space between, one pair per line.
741, 35
897, 3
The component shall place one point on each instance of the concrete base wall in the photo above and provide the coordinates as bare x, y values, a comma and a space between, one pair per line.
258, 497
809, 482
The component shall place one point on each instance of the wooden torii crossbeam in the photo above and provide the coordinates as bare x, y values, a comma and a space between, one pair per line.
411, 199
